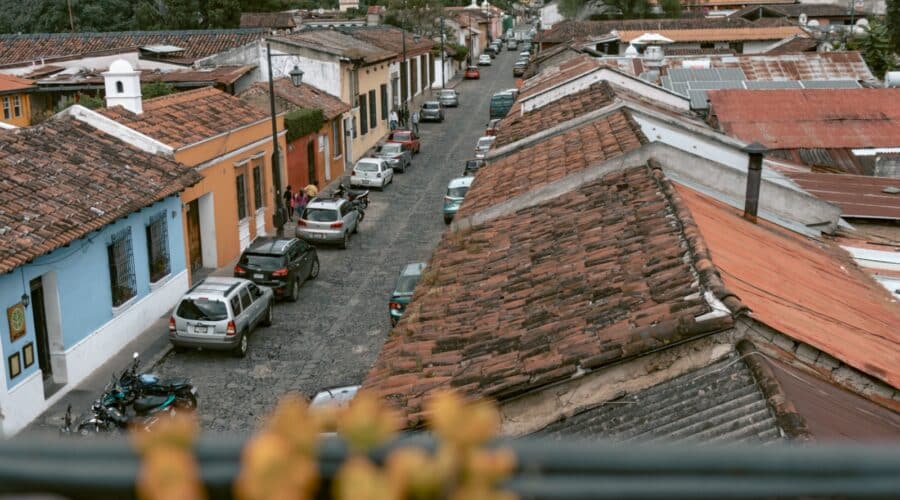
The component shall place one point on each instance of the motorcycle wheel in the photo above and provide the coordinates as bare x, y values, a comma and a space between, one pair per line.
188, 402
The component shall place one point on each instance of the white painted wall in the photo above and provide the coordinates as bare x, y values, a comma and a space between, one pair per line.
323, 74
209, 253
96, 63
550, 15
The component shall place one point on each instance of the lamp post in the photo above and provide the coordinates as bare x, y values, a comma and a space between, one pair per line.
443, 63
278, 215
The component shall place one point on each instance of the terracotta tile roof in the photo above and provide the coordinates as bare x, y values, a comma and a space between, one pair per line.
719, 34
566, 31
274, 20
197, 43
63, 179
606, 271
558, 156
304, 96
185, 118
9, 83
795, 44
518, 126
557, 74
720, 402
812, 10
739, 2
375, 9
810, 118
805, 289
390, 39
220, 75
337, 42
859, 196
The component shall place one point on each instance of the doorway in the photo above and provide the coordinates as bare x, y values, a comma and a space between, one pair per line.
195, 247
41, 332
311, 160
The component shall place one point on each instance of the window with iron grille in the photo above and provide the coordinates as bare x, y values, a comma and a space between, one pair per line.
363, 108
373, 117
158, 247
257, 188
338, 140
17, 106
384, 102
7, 112
241, 197
121, 267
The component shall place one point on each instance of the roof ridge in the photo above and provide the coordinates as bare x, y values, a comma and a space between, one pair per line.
94, 34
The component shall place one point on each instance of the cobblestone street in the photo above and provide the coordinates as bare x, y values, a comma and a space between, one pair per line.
334, 333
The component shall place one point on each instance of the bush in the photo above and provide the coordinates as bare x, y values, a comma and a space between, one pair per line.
156, 89
303, 122
461, 51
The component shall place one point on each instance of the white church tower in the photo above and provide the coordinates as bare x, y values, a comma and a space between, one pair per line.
123, 86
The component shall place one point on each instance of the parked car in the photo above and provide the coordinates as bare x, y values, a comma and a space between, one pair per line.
403, 290
501, 102
396, 155
525, 55
408, 138
472, 73
335, 396
431, 111
483, 145
514, 92
328, 220
519, 68
484, 60
456, 192
448, 97
472, 166
492, 127
374, 172
512, 44
220, 313
281, 263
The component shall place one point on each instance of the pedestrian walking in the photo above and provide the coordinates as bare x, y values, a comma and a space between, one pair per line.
288, 197
393, 119
312, 189
415, 122
301, 199
404, 117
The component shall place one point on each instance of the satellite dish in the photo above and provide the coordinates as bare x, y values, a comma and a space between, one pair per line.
803, 19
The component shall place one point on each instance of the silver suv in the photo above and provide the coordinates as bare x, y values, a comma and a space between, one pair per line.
220, 313
328, 220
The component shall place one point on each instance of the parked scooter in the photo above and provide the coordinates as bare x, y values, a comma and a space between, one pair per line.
361, 196
148, 384
108, 416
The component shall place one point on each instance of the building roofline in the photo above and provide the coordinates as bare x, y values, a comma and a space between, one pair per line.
118, 130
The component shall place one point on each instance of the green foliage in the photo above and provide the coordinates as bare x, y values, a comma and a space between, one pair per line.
156, 89
303, 122
569, 9
671, 8
892, 21
631, 9
86, 100
877, 49
461, 52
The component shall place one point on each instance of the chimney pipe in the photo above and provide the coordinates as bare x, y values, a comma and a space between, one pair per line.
754, 176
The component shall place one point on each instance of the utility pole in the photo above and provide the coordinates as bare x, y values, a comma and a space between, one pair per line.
443, 64
71, 17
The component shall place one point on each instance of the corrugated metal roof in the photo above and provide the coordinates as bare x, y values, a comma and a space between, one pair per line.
830, 84
760, 84
706, 74
719, 402
857, 195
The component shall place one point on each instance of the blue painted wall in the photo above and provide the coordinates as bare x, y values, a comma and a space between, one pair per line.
82, 274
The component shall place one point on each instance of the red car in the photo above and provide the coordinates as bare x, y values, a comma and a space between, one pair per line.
408, 138
493, 127
472, 73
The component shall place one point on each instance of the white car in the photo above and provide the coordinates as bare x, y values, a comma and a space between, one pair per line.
484, 60
373, 172
483, 145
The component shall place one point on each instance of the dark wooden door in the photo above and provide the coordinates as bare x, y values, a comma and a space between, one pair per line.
194, 247
40, 327
311, 159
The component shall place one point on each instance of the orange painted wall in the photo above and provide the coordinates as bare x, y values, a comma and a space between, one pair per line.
297, 158
216, 159
24, 118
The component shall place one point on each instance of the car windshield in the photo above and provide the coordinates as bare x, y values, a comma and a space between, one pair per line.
262, 261
391, 148
400, 136
320, 215
431, 105
485, 142
406, 284
202, 309
473, 163
457, 192
448, 93
366, 167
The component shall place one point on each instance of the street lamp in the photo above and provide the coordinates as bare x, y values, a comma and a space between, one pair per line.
278, 215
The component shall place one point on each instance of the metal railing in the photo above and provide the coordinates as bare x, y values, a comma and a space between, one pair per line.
107, 468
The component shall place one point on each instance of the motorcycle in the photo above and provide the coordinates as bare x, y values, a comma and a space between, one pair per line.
148, 384
360, 196
108, 415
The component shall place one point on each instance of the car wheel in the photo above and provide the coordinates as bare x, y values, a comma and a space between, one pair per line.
178, 348
344, 240
356, 226
295, 290
314, 272
447, 220
270, 318
242, 347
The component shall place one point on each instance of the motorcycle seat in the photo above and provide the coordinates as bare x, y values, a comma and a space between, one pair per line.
177, 383
357, 192
148, 403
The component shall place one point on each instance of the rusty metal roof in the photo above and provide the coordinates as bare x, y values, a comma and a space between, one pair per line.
858, 195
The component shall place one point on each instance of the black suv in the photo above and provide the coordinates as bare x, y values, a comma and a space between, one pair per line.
282, 264
472, 166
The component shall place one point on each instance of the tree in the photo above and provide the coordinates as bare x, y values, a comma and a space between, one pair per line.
892, 21
877, 49
570, 9
671, 8
156, 89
